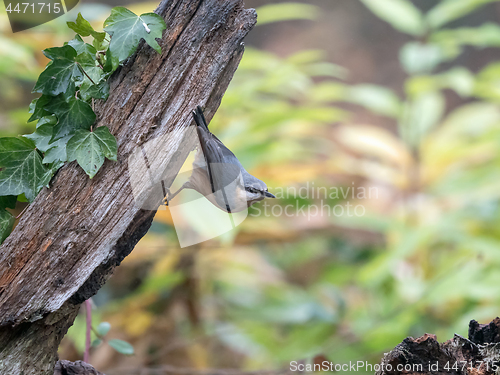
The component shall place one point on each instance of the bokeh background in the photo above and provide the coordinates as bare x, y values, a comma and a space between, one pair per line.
394, 97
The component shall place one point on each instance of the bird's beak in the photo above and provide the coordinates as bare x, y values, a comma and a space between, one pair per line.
268, 195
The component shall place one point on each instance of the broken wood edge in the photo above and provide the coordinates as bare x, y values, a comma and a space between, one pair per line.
479, 354
64, 367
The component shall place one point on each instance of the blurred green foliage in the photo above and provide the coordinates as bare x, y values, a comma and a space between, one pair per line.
422, 258
286, 11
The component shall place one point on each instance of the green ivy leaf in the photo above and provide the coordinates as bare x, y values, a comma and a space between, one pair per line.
47, 120
80, 46
100, 45
54, 167
99, 91
8, 201
6, 225
21, 166
72, 115
90, 148
84, 28
71, 90
112, 62
43, 133
87, 62
56, 77
37, 108
103, 328
57, 152
121, 346
64, 52
108, 142
41, 137
127, 29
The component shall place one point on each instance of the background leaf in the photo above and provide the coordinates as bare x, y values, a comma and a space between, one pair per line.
420, 58
378, 99
421, 115
449, 10
103, 328
401, 14
121, 346
286, 11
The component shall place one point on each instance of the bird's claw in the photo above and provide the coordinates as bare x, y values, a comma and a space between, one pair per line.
166, 198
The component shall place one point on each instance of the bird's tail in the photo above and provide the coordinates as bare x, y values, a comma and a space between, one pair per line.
199, 118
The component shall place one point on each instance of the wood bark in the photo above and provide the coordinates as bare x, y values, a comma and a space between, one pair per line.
76, 232
477, 355
75, 368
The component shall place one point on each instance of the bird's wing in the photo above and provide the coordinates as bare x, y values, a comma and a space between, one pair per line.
220, 160
222, 166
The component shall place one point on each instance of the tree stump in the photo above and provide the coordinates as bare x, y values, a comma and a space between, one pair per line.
477, 355
75, 368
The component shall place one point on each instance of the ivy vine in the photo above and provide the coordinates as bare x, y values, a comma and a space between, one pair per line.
76, 75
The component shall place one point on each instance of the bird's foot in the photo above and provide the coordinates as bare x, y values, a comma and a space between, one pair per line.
166, 199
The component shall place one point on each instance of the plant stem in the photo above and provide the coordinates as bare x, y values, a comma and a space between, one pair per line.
97, 334
22, 212
84, 72
88, 315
